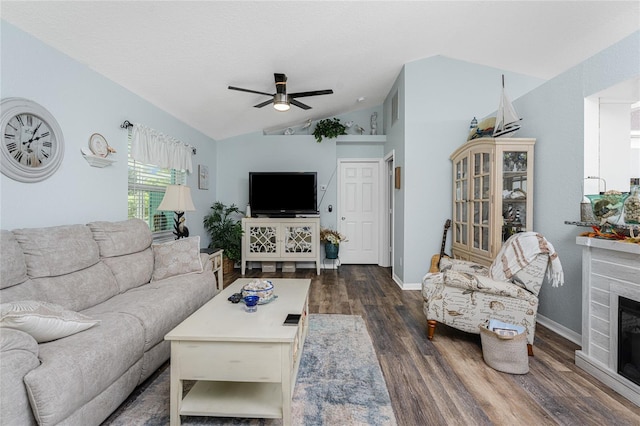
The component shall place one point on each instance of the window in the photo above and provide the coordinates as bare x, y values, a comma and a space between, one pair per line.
147, 185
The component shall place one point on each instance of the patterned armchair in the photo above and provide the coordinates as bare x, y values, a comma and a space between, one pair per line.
465, 295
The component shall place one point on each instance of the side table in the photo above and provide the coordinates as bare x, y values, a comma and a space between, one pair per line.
215, 256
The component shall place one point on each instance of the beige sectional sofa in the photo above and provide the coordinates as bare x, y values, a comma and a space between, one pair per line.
108, 277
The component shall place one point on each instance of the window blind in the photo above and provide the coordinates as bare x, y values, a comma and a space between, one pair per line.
146, 184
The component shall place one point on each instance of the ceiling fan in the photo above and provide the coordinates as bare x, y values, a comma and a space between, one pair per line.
281, 99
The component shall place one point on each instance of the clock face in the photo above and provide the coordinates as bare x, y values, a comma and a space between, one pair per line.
29, 140
32, 141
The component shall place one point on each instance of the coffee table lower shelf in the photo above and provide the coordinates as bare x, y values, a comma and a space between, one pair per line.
233, 399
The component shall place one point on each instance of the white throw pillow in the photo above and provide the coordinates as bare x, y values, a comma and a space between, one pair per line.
42, 320
176, 257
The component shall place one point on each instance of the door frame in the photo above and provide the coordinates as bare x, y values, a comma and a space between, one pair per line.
388, 210
383, 226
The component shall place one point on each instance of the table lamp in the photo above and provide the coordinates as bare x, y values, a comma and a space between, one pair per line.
177, 198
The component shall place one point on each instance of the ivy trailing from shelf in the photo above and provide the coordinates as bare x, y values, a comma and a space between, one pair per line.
329, 128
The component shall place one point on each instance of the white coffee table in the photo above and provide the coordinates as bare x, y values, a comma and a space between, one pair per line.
245, 363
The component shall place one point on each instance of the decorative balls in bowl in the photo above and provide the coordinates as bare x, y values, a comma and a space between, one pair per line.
261, 288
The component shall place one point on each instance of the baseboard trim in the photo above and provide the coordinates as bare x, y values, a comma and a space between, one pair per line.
405, 286
396, 279
560, 329
412, 286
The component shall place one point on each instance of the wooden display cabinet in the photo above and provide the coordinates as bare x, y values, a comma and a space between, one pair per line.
492, 195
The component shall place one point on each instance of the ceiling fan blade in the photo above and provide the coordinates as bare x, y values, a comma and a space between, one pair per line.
312, 93
265, 103
281, 83
299, 104
250, 91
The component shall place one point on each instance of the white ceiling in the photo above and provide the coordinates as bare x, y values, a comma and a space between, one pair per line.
182, 55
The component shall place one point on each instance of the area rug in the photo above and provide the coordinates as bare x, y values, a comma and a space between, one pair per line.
339, 383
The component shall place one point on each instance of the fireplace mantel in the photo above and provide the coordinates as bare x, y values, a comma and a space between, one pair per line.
609, 269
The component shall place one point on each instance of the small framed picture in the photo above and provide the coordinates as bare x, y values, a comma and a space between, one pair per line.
203, 176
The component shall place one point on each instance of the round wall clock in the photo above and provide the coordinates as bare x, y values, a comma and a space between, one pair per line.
98, 145
32, 141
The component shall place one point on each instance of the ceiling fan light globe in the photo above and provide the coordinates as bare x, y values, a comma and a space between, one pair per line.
281, 106
281, 102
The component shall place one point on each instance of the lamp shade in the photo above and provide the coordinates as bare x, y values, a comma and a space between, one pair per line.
177, 198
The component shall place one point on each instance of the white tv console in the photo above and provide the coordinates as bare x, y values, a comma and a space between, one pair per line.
281, 240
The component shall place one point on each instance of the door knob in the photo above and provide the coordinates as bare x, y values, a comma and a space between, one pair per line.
343, 218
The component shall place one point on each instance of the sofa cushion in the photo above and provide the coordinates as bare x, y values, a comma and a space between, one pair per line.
19, 353
57, 250
42, 320
120, 238
13, 269
76, 291
161, 305
131, 270
176, 257
77, 368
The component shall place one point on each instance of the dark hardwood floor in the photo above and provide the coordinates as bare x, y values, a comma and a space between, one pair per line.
445, 381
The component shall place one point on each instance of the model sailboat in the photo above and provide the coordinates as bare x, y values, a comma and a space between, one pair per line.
507, 120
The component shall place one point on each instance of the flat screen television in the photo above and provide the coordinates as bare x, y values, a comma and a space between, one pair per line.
283, 194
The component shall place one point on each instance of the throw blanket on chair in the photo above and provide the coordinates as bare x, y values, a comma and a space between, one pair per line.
519, 250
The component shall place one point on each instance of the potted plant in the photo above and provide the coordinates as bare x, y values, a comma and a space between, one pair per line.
331, 240
225, 229
329, 128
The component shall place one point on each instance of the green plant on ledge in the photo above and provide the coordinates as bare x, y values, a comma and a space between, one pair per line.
225, 229
329, 129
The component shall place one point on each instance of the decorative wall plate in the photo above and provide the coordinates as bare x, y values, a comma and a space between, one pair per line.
98, 145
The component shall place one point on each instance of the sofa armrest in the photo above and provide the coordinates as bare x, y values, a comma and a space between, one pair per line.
448, 264
486, 285
206, 262
19, 353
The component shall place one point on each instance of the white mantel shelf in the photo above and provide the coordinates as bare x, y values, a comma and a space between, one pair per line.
609, 245
609, 269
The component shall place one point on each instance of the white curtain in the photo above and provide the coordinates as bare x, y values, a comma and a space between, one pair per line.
152, 147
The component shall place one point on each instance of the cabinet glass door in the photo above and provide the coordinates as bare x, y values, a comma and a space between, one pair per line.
514, 193
263, 239
298, 239
480, 201
461, 215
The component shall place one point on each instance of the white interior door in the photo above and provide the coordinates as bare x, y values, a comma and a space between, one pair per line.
358, 210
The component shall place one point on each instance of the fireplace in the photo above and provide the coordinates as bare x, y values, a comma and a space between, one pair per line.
629, 339
611, 314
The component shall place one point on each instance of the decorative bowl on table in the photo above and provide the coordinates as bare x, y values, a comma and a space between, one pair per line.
261, 288
607, 207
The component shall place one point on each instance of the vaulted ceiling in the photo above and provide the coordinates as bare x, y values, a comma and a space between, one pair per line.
182, 55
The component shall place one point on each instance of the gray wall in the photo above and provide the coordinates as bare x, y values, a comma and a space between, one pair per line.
395, 144
256, 152
84, 102
554, 114
439, 98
